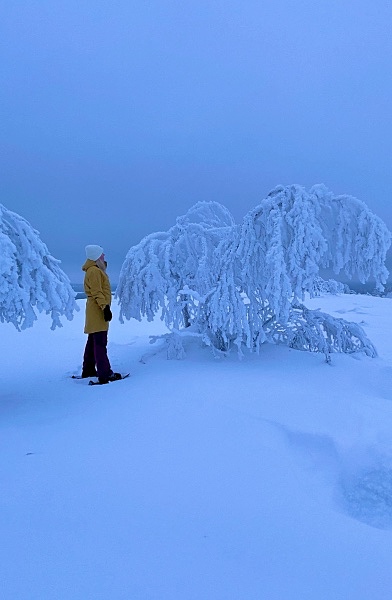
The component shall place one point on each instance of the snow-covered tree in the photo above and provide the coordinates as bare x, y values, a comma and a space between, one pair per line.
244, 285
30, 278
329, 286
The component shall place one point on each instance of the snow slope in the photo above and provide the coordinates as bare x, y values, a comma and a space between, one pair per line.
201, 479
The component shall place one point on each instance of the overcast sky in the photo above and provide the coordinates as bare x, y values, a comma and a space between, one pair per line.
117, 116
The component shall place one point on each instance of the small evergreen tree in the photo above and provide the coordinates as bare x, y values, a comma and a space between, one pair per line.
244, 285
30, 278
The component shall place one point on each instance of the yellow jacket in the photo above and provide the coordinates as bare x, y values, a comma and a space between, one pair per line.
99, 295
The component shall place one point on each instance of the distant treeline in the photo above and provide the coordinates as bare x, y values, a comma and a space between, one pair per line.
355, 288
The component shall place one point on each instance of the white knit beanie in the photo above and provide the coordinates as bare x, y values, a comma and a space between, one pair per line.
93, 252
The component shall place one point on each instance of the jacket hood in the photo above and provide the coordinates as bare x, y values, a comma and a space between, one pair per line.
89, 263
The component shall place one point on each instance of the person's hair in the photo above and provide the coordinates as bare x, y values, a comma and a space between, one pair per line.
101, 264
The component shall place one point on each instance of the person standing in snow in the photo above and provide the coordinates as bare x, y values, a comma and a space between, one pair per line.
98, 314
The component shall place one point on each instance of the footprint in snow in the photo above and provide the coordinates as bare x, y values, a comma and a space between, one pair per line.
367, 496
362, 479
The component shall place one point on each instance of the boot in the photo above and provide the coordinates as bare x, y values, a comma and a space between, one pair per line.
114, 376
89, 374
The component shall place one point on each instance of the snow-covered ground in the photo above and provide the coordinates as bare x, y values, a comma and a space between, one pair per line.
203, 479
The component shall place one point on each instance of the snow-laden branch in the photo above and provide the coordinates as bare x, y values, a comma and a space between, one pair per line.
30, 277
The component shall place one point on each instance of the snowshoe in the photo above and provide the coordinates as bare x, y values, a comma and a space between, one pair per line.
113, 377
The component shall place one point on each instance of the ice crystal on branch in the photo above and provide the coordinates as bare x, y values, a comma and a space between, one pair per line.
30, 278
237, 284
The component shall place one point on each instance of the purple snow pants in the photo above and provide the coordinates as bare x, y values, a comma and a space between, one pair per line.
96, 357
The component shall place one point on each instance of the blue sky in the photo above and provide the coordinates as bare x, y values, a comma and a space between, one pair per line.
118, 116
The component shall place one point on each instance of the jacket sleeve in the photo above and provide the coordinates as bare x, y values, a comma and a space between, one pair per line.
95, 284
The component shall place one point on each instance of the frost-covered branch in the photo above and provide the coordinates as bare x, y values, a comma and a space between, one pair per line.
30, 277
315, 331
293, 233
